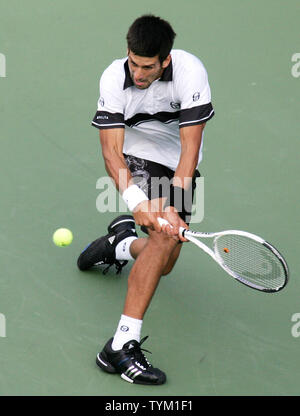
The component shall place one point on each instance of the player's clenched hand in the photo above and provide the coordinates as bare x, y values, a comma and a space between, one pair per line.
171, 215
146, 213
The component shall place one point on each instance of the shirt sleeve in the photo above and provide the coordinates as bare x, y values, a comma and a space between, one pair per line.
110, 108
195, 96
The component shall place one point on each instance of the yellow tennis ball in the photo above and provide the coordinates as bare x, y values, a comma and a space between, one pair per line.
62, 237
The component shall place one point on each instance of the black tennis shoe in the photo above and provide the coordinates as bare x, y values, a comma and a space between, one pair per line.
131, 363
102, 250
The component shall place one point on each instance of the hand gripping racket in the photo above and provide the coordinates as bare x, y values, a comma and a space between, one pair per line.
246, 257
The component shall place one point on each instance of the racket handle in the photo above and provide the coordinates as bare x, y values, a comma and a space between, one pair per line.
162, 221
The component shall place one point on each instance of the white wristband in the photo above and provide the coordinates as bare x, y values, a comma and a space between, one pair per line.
133, 195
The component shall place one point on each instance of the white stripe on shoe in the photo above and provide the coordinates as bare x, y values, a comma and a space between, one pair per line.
126, 378
120, 222
102, 362
129, 369
130, 374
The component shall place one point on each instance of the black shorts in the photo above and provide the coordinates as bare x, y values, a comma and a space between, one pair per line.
144, 171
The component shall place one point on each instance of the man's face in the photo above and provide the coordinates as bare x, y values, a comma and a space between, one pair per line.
144, 71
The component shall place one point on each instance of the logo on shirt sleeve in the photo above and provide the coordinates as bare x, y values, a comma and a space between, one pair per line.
196, 96
101, 101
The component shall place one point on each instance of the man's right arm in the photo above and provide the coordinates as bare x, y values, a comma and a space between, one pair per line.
112, 150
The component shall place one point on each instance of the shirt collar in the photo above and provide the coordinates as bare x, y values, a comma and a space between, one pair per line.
167, 75
128, 81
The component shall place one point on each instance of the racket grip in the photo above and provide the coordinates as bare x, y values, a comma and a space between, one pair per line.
162, 221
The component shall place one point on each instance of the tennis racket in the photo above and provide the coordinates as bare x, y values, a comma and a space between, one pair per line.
248, 258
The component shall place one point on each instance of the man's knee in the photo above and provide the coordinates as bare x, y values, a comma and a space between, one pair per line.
163, 241
169, 245
172, 260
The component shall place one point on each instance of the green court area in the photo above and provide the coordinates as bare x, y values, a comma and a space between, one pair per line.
210, 334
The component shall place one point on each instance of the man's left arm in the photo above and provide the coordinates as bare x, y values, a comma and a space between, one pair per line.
196, 109
191, 138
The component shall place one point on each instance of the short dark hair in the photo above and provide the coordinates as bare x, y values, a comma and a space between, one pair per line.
150, 36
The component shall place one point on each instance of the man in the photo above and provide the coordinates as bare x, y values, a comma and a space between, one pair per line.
152, 110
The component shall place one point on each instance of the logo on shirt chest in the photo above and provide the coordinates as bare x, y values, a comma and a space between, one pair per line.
174, 105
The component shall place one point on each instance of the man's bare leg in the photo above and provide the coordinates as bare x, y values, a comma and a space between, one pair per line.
146, 272
123, 350
139, 244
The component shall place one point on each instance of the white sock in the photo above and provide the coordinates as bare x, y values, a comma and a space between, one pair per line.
128, 329
123, 249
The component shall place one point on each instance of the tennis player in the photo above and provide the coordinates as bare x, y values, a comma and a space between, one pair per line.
151, 113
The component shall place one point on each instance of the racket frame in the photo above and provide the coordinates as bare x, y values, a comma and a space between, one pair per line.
194, 235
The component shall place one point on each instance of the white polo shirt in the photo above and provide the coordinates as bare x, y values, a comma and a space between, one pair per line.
152, 117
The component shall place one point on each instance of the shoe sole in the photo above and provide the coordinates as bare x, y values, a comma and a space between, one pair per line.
85, 260
119, 220
102, 362
104, 365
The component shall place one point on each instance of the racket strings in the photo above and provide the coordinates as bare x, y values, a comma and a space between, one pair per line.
251, 260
